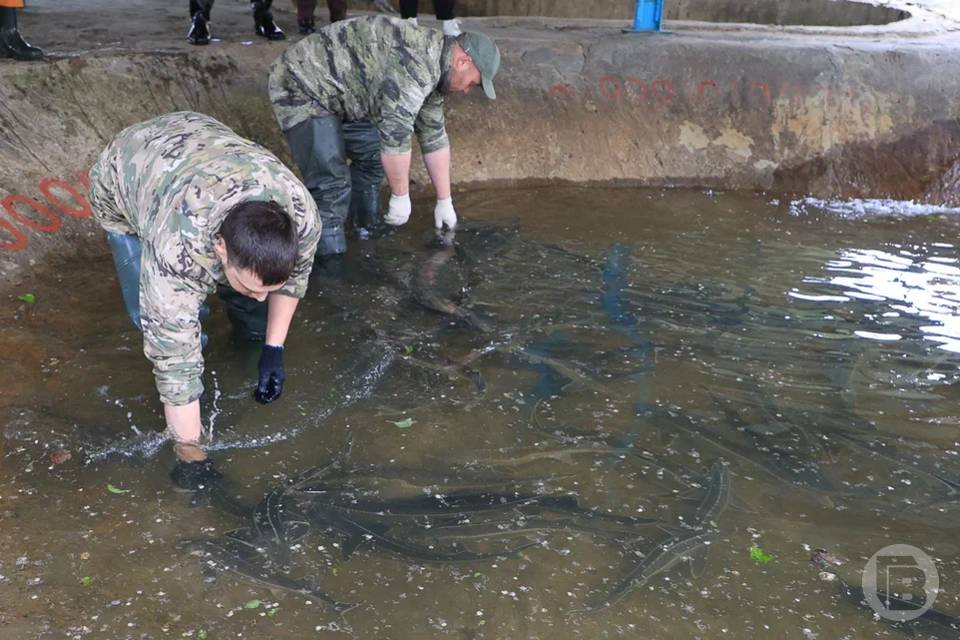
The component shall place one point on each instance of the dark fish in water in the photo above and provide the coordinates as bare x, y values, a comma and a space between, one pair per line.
228, 555
666, 556
877, 447
793, 472
356, 532
931, 624
521, 525
387, 482
717, 498
460, 505
428, 287
275, 526
560, 370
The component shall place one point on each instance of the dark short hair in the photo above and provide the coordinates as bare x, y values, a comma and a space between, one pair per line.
261, 238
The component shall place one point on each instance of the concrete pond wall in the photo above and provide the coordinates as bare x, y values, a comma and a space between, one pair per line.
836, 13
828, 112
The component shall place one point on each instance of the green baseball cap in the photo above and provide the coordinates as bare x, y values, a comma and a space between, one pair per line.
485, 55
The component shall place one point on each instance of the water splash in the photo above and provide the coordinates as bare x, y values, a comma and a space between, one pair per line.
349, 390
867, 208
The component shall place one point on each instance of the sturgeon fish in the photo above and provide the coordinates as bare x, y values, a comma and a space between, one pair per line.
228, 555
666, 556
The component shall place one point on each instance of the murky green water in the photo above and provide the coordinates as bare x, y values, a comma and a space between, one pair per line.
613, 344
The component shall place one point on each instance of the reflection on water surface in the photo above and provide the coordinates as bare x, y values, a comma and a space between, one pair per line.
601, 413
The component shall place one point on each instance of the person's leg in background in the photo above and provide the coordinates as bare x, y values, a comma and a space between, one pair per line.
362, 143
199, 17
444, 10
12, 44
305, 19
408, 10
318, 148
263, 20
445, 14
338, 10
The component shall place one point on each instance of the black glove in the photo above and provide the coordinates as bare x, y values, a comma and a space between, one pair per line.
271, 374
194, 475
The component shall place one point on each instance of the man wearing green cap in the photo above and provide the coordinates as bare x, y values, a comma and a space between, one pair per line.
359, 90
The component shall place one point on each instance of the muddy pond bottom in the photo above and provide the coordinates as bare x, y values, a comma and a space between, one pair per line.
595, 413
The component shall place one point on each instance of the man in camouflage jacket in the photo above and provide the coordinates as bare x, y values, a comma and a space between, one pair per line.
190, 207
360, 89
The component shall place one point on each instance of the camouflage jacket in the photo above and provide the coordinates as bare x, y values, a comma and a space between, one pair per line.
377, 68
171, 181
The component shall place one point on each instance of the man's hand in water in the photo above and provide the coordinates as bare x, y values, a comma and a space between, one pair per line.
399, 212
272, 375
193, 470
444, 215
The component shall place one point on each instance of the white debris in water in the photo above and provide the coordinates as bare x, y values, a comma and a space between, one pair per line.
867, 208
816, 298
882, 337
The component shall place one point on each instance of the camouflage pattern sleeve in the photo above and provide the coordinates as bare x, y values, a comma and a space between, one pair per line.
429, 126
303, 210
103, 194
169, 313
172, 180
377, 68
403, 98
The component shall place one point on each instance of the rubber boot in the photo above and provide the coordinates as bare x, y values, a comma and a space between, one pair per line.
12, 44
362, 143
263, 21
126, 259
126, 252
203, 6
306, 26
318, 148
199, 33
365, 213
338, 10
248, 316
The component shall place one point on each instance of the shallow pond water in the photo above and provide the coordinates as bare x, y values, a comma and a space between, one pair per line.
611, 344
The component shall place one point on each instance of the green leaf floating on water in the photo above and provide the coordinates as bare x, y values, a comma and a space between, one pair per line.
252, 604
272, 612
29, 298
86, 581
759, 556
113, 489
202, 634
404, 424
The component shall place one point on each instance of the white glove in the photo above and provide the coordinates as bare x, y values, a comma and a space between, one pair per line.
444, 214
399, 212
